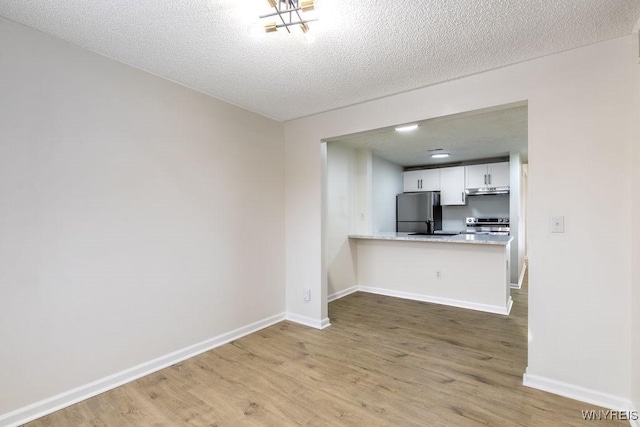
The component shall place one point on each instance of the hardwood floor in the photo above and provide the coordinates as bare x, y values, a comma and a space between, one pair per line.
384, 361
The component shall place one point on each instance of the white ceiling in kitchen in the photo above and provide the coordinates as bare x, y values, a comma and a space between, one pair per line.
358, 51
470, 136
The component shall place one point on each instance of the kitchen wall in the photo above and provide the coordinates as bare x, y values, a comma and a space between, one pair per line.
579, 282
342, 209
454, 217
360, 197
138, 218
364, 195
387, 183
516, 213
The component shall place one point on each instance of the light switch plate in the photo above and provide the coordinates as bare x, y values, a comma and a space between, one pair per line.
557, 224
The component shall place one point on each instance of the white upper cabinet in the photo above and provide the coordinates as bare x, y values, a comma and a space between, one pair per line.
476, 176
412, 181
499, 174
452, 181
431, 180
487, 175
422, 180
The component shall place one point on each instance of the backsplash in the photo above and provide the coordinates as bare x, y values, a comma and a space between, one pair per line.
453, 217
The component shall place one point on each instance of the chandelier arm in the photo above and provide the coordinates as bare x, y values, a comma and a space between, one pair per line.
286, 27
298, 13
275, 13
293, 7
296, 23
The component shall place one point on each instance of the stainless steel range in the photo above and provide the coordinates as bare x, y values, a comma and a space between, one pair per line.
495, 226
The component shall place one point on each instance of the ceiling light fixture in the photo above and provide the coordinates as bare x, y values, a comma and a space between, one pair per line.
290, 13
440, 155
407, 128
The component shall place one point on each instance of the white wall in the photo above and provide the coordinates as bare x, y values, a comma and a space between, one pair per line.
524, 195
342, 208
517, 219
360, 193
137, 217
387, 183
579, 139
364, 193
579, 103
635, 298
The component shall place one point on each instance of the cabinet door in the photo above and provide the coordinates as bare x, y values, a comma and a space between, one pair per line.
499, 174
452, 186
430, 180
411, 181
476, 176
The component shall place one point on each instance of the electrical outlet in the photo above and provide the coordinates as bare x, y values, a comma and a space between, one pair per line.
438, 274
307, 294
557, 224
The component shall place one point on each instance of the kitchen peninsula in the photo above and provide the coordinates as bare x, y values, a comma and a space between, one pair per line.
469, 271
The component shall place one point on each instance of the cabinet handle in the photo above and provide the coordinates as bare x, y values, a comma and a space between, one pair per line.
485, 179
420, 184
489, 179
462, 197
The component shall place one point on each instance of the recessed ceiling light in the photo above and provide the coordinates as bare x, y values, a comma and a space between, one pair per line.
407, 128
439, 155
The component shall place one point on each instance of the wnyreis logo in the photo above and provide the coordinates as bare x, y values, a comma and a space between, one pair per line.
607, 414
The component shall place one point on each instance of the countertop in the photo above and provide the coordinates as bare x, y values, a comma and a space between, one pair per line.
482, 239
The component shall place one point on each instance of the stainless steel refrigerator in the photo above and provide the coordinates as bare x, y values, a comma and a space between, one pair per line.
418, 212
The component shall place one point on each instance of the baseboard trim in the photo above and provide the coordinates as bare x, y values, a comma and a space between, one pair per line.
575, 392
308, 321
325, 323
47, 406
342, 293
437, 300
521, 278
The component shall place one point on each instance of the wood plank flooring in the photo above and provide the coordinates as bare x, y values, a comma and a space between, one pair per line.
383, 362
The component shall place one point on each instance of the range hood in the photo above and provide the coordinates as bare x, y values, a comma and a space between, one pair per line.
486, 191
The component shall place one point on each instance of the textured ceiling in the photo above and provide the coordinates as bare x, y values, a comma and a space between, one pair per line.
476, 135
358, 51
